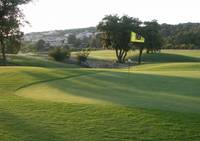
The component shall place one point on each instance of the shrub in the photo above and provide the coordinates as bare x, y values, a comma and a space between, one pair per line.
60, 54
82, 56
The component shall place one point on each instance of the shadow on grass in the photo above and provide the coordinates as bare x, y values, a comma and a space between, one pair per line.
43, 78
166, 58
140, 90
23, 130
149, 59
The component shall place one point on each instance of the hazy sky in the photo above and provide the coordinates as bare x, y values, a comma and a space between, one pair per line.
65, 14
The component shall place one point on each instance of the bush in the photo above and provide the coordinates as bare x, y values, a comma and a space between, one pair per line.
82, 56
60, 54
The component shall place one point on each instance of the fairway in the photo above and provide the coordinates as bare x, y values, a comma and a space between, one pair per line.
157, 101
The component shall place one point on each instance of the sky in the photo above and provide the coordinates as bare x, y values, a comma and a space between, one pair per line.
45, 15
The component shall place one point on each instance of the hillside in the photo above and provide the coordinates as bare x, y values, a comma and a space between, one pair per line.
57, 37
180, 36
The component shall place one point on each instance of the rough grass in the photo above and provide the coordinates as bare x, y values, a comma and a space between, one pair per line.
158, 102
36, 61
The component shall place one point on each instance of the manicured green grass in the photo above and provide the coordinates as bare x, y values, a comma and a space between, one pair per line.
188, 66
191, 53
108, 55
165, 56
144, 90
154, 102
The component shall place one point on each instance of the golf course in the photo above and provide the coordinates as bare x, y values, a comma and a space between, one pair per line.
44, 100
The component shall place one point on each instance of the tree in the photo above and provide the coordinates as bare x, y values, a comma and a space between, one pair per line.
95, 42
77, 43
181, 36
153, 38
40, 45
116, 33
141, 47
13, 45
11, 18
71, 39
27, 47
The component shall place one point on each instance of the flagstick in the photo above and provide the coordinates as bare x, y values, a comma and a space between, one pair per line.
129, 68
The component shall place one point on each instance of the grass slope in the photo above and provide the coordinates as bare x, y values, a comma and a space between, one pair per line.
158, 102
36, 61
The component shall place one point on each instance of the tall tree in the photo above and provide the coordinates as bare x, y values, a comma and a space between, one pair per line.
13, 45
153, 38
116, 33
11, 18
40, 45
71, 39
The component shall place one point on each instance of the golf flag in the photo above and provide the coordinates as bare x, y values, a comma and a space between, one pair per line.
137, 38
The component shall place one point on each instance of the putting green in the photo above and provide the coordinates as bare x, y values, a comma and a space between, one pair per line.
162, 90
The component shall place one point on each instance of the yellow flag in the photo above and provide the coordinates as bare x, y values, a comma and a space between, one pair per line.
137, 38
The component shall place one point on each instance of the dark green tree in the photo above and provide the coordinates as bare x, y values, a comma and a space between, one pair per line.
40, 45
181, 36
71, 39
13, 45
95, 42
116, 33
11, 18
153, 38
77, 43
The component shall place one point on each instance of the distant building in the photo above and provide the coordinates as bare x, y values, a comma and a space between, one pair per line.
84, 34
56, 38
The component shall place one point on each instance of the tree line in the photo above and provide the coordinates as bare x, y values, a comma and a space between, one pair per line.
113, 32
11, 18
181, 36
116, 31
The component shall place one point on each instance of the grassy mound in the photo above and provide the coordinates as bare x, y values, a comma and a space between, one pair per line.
36, 61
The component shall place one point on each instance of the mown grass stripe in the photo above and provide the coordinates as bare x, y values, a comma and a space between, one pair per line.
54, 79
